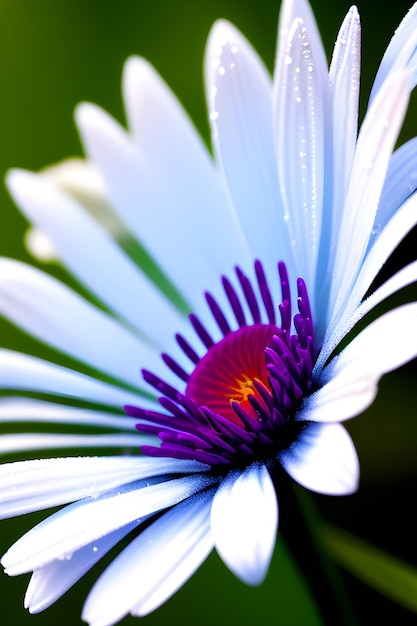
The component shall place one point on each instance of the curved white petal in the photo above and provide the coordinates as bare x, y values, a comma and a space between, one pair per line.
11, 443
81, 180
404, 277
292, 10
49, 583
168, 141
401, 52
344, 77
154, 565
301, 130
323, 459
396, 229
239, 95
244, 521
344, 88
90, 519
376, 140
350, 381
94, 258
167, 208
50, 311
400, 183
28, 410
34, 485
27, 373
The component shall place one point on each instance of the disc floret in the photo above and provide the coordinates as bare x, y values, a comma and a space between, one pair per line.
240, 400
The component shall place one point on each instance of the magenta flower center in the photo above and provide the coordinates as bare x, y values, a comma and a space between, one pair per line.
232, 370
239, 401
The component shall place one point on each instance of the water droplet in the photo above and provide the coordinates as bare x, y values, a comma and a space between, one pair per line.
234, 49
221, 70
95, 549
214, 115
298, 99
288, 60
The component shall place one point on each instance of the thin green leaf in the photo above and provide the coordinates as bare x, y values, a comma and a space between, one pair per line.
383, 572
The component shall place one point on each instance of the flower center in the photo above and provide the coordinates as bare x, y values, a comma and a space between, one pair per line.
240, 400
231, 370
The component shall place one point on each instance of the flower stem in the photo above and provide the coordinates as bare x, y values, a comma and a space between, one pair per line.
300, 529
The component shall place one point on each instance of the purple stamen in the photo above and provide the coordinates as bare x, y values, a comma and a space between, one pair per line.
201, 331
175, 367
242, 396
234, 302
187, 349
265, 293
218, 314
249, 295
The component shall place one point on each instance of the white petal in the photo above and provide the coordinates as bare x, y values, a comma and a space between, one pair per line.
397, 228
404, 277
53, 313
90, 519
400, 183
292, 10
301, 129
154, 565
80, 179
94, 258
49, 583
401, 52
166, 207
239, 94
34, 485
171, 146
323, 459
350, 381
244, 521
27, 373
376, 140
344, 86
15, 409
48, 441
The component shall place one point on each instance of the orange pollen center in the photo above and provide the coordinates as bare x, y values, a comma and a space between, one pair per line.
230, 371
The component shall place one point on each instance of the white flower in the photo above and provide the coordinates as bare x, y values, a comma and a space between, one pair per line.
291, 183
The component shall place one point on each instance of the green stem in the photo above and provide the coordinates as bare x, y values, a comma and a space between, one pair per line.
300, 527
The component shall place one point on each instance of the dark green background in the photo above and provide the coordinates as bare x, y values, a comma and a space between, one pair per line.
55, 53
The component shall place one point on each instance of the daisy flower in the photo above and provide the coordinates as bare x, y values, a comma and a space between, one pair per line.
263, 261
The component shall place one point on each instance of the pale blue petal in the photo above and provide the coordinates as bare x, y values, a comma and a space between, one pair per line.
239, 94
34, 485
94, 258
192, 201
28, 441
154, 565
396, 229
55, 314
88, 520
350, 383
27, 373
168, 214
400, 183
244, 521
28, 410
302, 138
49, 583
344, 87
323, 459
401, 52
376, 140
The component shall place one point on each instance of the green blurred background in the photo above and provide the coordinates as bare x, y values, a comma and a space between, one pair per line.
55, 53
